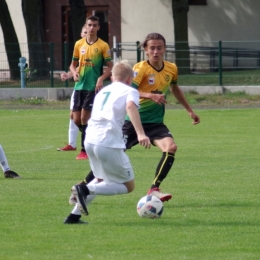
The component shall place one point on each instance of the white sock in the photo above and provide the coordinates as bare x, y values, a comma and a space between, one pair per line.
76, 211
3, 160
73, 133
102, 188
91, 197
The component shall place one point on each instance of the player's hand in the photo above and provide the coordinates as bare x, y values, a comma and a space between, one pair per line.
99, 85
158, 98
63, 76
76, 76
144, 141
196, 119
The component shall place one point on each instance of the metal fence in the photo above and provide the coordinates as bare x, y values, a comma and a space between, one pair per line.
210, 63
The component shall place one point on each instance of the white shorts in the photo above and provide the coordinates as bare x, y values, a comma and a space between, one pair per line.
72, 100
110, 164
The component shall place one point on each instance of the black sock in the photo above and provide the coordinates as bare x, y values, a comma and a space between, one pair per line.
80, 128
89, 177
83, 134
163, 168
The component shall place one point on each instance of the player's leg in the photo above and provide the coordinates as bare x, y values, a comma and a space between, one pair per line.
87, 104
114, 167
85, 115
73, 130
161, 137
8, 173
111, 165
168, 148
89, 179
74, 217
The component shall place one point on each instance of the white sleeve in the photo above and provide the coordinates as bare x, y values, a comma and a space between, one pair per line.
133, 96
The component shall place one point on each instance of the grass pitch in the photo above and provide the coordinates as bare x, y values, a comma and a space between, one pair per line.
214, 213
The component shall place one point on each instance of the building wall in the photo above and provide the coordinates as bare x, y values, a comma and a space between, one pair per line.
232, 20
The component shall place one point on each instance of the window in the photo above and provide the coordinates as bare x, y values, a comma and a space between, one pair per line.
197, 2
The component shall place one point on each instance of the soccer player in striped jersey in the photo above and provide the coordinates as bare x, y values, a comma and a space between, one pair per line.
153, 78
89, 56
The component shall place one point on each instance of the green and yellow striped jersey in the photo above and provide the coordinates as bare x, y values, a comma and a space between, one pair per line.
149, 80
91, 58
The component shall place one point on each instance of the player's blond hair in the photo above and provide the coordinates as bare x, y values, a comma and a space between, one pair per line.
122, 70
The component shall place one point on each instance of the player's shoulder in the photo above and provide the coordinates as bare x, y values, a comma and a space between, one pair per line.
170, 64
101, 42
81, 41
142, 65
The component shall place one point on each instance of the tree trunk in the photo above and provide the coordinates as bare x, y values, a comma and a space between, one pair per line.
180, 10
78, 17
33, 17
12, 47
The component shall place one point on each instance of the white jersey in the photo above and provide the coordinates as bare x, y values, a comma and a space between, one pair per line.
108, 115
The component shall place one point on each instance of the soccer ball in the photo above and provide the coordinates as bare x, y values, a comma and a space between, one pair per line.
150, 207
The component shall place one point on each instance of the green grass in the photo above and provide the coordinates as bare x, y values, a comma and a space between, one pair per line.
229, 78
214, 213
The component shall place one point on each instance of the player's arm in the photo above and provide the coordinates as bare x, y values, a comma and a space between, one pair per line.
177, 92
134, 116
104, 76
157, 98
74, 70
66, 75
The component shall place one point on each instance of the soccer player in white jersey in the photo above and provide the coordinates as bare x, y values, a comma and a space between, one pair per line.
104, 141
8, 173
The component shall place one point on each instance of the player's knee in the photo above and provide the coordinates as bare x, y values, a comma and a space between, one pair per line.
130, 186
173, 148
71, 115
130, 189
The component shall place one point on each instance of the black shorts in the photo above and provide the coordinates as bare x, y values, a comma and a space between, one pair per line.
83, 99
154, 131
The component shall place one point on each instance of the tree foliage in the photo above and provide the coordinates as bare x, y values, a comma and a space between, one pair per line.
33, 17
180, 10
12, 47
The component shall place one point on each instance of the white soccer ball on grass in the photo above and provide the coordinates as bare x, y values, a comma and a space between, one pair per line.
150, 207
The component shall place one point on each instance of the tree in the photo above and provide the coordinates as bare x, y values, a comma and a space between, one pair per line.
33, 17
180, 10
78, 17
12, 47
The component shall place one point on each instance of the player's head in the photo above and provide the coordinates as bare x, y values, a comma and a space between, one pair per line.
92, 18
155, 47
92, 25
83, 31
153, 36
123, 72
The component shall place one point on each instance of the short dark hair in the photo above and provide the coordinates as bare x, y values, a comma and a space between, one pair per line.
92, 18
153, 36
